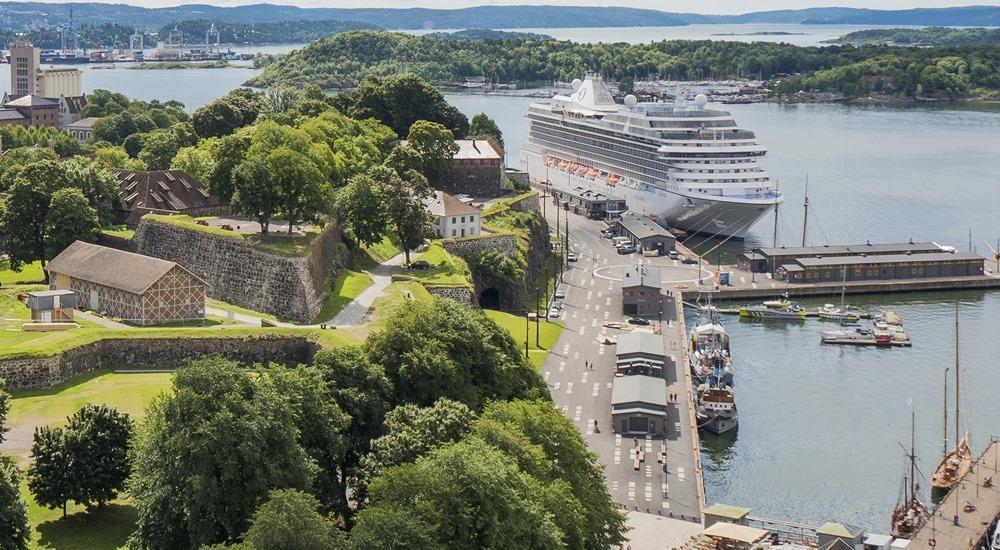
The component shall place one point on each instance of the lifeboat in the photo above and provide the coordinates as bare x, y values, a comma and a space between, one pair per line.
550, 161
573, 166
581, 170
613, 179
593, 172
563, 164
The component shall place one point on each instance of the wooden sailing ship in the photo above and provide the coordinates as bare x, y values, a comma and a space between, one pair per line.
909, 513
957, 461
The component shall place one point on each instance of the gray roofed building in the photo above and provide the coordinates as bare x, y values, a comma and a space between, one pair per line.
639, 405
82, 129
163, 192
110, 267
640, 343
642, 276
764, 260
32, 101
646, 234
888, 259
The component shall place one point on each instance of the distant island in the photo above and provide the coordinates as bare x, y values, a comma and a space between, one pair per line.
760, 33
487, 34
22, 16
927, 37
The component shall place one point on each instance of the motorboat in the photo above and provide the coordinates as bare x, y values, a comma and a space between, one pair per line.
709, 355
716, 407
830, 312
793, 312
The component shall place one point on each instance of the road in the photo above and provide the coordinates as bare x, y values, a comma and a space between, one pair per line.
593, 297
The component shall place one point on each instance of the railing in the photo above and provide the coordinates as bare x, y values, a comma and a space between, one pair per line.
787, 531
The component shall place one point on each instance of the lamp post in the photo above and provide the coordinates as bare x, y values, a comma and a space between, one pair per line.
547, 294
537, 320
527, 329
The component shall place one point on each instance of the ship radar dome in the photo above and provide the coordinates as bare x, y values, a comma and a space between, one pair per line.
576, 84
700, 100
630, 101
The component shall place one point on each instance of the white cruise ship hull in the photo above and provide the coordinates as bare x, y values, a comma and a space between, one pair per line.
693, 213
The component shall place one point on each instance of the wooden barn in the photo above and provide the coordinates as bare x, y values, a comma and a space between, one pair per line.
137, 289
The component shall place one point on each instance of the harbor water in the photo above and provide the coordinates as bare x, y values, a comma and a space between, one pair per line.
820, 424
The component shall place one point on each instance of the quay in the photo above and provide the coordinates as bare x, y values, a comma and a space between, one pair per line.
968, 515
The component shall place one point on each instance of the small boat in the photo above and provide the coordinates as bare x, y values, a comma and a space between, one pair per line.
709, 355
956, 462
593, 173
550, 161
791, 313
778, 303
613, 179
846, 333
909, 514
716, 407
830, 312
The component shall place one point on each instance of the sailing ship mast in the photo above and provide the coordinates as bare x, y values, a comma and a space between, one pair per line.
945, 448
957, 408
805, 214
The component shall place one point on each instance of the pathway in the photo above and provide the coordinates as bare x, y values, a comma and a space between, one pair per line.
356, 312
106, 323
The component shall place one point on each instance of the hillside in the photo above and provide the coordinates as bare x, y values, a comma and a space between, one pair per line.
931, 36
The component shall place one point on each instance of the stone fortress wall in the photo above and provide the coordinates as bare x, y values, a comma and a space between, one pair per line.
239, 273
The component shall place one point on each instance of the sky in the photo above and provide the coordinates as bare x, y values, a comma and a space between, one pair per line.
701, 6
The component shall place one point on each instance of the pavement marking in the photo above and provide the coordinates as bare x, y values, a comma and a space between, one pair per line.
614, 486
599, 293
562, 365
597, 307
611, 285
610, 385
593, 281
649, 472
576, 355
606, 314
579, 411
649, 444
556, 386
666, 504
590, 426
590, 294
618, 439
594, 323
584, 380
574, 314
600, 350
631, 490
597, 388
680, 473
618, 456
665, 487
569, 388
649, 492
583, 329
547, 374
609, 301
586, 306
743, 280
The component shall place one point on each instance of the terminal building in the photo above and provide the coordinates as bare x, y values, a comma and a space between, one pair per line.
587, 202
882, 268
640, 353
639, 405
768, 260
641, 291
646, 235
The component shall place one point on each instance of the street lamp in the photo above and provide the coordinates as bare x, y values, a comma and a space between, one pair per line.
527, 329
537, 320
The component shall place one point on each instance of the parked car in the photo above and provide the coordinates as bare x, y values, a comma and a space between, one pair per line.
554, 313
561, 293
674, 255
420, 264
571, 257
638, 321
627, 249
689, 260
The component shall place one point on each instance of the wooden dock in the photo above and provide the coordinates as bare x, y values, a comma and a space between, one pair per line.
954, 523
868, 342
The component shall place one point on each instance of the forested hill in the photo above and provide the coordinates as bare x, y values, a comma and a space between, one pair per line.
344, 59
278, 32
931, 36
25, 15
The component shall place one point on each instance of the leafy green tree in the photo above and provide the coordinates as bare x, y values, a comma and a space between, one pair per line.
111, 156
50, 476
116, 128
195, 161
363, 391
362, 205
14, 160
255, 193
400, 100
446, 351
218, 118
393, 528
304, 193
70, 218
210, 452
289, 520
14, 529
435, 146
97, 183
466, 495
159, 149
4, 409
102, 103
23, 227
412, 432
65, 145
404, 202
228, 153
97, 441
484, 127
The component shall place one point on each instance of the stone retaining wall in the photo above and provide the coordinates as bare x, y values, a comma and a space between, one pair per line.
474, 246
238, 273
462, 295
151, 353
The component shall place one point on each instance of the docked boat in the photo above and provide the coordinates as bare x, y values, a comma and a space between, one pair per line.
910, 513
830, 312
709, 353
716, 407
791, 313
778, 303
847, 333
957, 461
683, 165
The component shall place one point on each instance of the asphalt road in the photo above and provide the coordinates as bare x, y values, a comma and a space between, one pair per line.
593, 297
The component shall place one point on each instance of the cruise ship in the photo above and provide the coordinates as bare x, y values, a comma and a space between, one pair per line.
684, 166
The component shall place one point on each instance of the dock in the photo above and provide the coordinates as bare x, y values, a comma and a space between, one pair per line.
868, 342
955, 524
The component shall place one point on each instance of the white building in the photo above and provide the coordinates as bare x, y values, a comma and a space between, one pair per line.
58, 82
82, 129
452, 217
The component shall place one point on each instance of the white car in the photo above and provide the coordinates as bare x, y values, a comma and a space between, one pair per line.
560, 293
554, 313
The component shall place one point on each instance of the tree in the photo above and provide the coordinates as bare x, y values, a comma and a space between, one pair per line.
465, 495
412, 432
4, 409
362, 205
289, 520
50, 478
23, 227
195, 161
158, 149
97, 183
70, 218
14, 160
435, 146
65, 145
483, 127
111, 156
254, 192
218, 118
404, 201
400, 100
228, 153
210, 452
14, 529
363, 391
97, 440
304, 192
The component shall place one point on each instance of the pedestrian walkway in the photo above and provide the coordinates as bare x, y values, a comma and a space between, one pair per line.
96, 319
356, 312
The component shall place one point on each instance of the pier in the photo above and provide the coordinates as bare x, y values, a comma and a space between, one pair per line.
969, 512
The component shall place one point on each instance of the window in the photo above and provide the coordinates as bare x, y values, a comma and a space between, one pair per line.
453, 220
472, 219
452, 232
463, 219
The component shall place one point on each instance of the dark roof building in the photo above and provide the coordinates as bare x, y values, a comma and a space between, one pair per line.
163, 192
137, 289
38, 110
477, 169
768, 260
639, 405
641, 291
640, 353
882, 267
646, 234
588, 202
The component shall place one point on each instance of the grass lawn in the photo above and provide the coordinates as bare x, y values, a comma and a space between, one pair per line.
346, 287
395, 295
120, 231
285, 245
383, 250
548, 334
30, 273
105, 529
446, 269
217, 304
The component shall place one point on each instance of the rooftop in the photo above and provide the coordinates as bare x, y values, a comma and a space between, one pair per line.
735, 532
639, 389
110, 267
162, 191
10, 114
32, 101
642, 227
444, 204
839, 530
478, 149
727, 511
888, 259
83, 123
640, 342
864, 248
642, 276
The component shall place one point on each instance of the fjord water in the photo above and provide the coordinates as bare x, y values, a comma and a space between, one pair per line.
819, 425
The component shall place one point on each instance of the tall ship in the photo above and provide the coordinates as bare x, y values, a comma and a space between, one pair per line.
716, 406
957, 461
685, 166
709, 353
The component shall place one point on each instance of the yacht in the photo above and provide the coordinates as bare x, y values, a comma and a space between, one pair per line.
710, 352
684, 166
716, 407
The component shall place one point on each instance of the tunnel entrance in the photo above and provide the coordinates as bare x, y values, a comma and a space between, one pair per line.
489, 299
